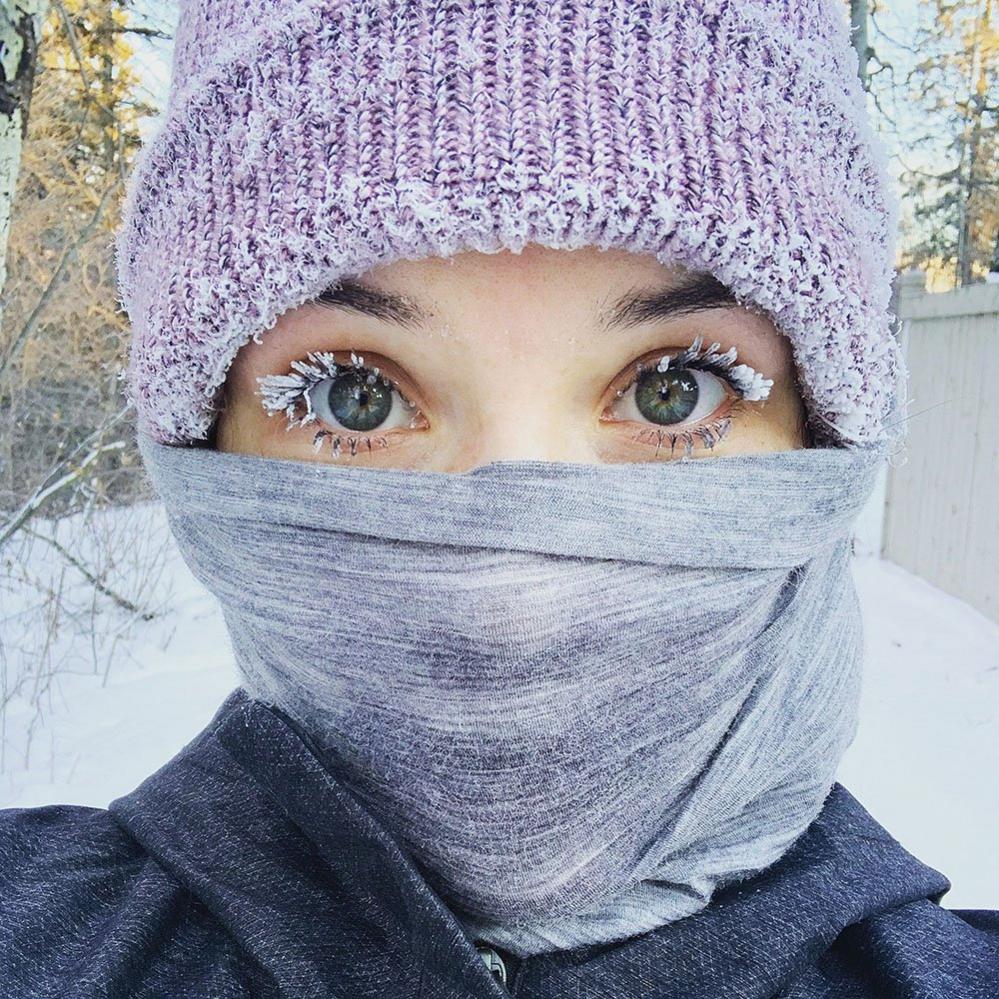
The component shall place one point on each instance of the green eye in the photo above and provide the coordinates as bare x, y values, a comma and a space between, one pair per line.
351, 397
353, 400
674, 397
666, 397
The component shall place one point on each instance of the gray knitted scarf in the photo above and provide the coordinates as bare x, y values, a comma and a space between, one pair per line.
581, 697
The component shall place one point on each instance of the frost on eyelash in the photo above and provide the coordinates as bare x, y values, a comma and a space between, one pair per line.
747, 381
709, 436
283, 393
336, 443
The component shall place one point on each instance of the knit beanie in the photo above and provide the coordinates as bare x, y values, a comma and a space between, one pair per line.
305, 140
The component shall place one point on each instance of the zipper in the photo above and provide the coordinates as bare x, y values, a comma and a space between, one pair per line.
493, 961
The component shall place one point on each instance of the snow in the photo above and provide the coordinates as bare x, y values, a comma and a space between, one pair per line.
925, 759
99, 740
923, 763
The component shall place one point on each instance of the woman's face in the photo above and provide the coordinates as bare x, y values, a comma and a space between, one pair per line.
484, 357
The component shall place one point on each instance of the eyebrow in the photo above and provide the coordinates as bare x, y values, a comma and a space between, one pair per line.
696, 293
384, 305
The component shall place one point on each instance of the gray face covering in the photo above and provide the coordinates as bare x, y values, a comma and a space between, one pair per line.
581, 696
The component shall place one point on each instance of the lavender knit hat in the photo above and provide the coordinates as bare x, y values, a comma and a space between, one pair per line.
305, 140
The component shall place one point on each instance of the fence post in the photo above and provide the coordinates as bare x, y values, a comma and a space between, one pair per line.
869, 530
911, 286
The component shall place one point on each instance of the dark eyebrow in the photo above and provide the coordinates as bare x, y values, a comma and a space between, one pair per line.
697, 292
384, 305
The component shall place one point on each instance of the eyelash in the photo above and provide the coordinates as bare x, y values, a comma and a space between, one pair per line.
291, 393
747, 384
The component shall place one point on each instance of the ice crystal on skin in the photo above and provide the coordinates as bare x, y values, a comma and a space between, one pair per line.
747, 381
753, 386
336, 443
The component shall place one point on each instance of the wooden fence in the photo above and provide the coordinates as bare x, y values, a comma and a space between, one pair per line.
942, 500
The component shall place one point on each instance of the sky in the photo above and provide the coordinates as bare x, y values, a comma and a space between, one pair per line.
152, 56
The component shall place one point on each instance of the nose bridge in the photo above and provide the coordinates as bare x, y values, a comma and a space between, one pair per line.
523, 409
512, 432
529, 440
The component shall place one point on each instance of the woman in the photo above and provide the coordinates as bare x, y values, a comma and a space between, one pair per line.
512, 374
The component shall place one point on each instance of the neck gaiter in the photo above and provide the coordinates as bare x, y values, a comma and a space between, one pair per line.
581, 697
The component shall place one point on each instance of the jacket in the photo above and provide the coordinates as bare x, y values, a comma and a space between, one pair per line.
243, 868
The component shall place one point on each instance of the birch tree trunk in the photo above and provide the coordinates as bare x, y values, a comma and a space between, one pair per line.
20, 30
859, 13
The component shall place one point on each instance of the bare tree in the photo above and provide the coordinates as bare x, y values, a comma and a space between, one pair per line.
79, 562
20, 30
64, 339
954, 87
859, 23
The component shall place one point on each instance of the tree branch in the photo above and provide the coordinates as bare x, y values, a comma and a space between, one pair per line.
95, 581
31, 324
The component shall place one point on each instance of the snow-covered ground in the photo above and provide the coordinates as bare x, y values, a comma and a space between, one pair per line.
924, 761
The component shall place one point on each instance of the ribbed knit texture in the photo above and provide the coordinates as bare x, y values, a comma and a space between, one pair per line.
581, 696
308, 140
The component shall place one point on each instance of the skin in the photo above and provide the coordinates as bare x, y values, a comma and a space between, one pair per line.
513, 364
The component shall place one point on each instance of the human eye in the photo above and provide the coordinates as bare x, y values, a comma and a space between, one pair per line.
686, 400
355, 406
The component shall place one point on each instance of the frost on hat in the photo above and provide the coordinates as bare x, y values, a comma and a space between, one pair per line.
304, 141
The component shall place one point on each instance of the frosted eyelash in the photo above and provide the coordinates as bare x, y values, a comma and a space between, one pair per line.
747, 381
710, 435
284, 393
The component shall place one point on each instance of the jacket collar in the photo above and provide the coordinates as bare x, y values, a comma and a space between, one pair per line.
302, 875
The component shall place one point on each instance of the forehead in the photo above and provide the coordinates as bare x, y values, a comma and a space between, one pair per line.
538, 270
607, 290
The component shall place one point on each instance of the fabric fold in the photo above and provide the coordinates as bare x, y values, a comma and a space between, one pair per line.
583, 697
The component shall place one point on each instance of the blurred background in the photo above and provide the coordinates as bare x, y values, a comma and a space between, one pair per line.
112, 657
